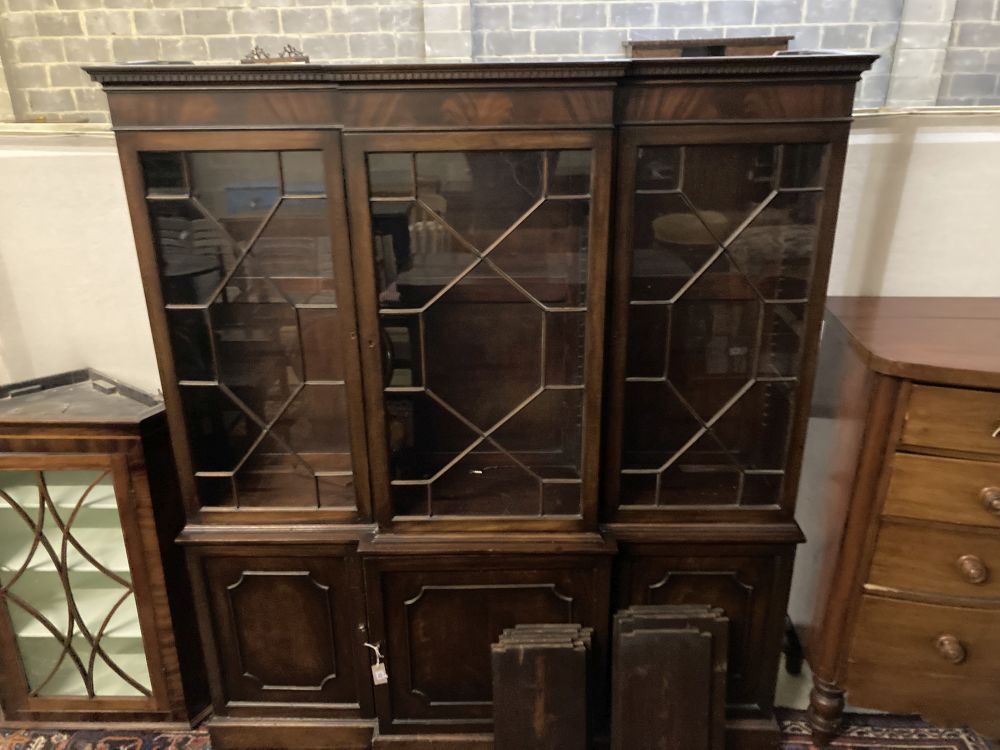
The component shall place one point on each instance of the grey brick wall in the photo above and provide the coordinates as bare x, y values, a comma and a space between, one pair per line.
571, 29
971, 72
929, 48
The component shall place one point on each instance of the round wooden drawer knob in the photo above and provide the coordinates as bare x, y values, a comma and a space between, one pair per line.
991, 499
950, 648
973, 569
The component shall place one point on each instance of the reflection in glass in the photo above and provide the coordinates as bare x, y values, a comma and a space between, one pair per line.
482, 192
724, 239
659, 167
482, 284
671, 244
193, 251
165, 173
302, 173
243, 242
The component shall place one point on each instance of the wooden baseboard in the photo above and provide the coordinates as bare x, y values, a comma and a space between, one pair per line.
753, 734
301, 734
433, 742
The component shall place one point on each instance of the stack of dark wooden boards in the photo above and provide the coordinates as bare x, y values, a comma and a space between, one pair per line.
668, 682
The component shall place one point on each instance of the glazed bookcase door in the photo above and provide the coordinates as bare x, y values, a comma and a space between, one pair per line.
248, 285
722, 256
480, 264
74, 630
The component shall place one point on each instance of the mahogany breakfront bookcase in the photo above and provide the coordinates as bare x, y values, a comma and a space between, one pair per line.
447, 348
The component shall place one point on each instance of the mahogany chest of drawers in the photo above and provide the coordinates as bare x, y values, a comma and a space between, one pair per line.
896, 593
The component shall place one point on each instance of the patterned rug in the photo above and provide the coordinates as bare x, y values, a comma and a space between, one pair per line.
98, 739
867, 732
860, 733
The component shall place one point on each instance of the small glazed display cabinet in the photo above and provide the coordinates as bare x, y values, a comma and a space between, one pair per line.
94, 598
896, 593
450, 348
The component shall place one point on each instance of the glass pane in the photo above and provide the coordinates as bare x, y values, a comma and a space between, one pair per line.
781, 340
482, 287
776, 250
165, 173
391, 175
546, 254
726, 183
424, 437
767, 406
544, 435
659, 168
657, 425
803, 165
713, 334
73, 612
238, 188
723, 245
704, 474
191, 342
416, 255
488, 482
220, 432
256, 344
249, 282
569, 173
480, 194
638, 489
193, 250
275, 477
670, 245
471, 336
564, 344
648, 328
302, 172
293, 251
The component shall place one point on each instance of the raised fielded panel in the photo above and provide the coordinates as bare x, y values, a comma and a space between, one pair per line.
438, 617
285, 628
748, 585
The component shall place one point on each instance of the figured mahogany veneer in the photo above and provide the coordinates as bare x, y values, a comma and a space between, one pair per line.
446, 349
89, 506
895, 592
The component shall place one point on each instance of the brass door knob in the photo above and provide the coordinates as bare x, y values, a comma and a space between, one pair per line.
950, 648
991, 499
973, 569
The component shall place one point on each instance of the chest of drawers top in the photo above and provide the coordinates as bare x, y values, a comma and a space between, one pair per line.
946, 340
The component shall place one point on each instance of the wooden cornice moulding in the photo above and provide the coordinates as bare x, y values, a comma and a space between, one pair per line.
825, 65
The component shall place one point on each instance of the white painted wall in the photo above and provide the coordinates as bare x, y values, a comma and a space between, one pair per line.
920, 208
920, 215
70, 294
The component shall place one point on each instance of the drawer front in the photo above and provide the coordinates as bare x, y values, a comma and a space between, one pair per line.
749, 589
953, 419
937, 561
285, 628
438, 616
896, 662
950, 490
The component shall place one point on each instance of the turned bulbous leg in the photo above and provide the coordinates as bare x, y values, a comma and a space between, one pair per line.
826, 707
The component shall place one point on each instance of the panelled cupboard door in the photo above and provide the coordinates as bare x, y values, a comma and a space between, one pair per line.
480, 261
748, 584
436, 618
243, 244
285, 625
722, 255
